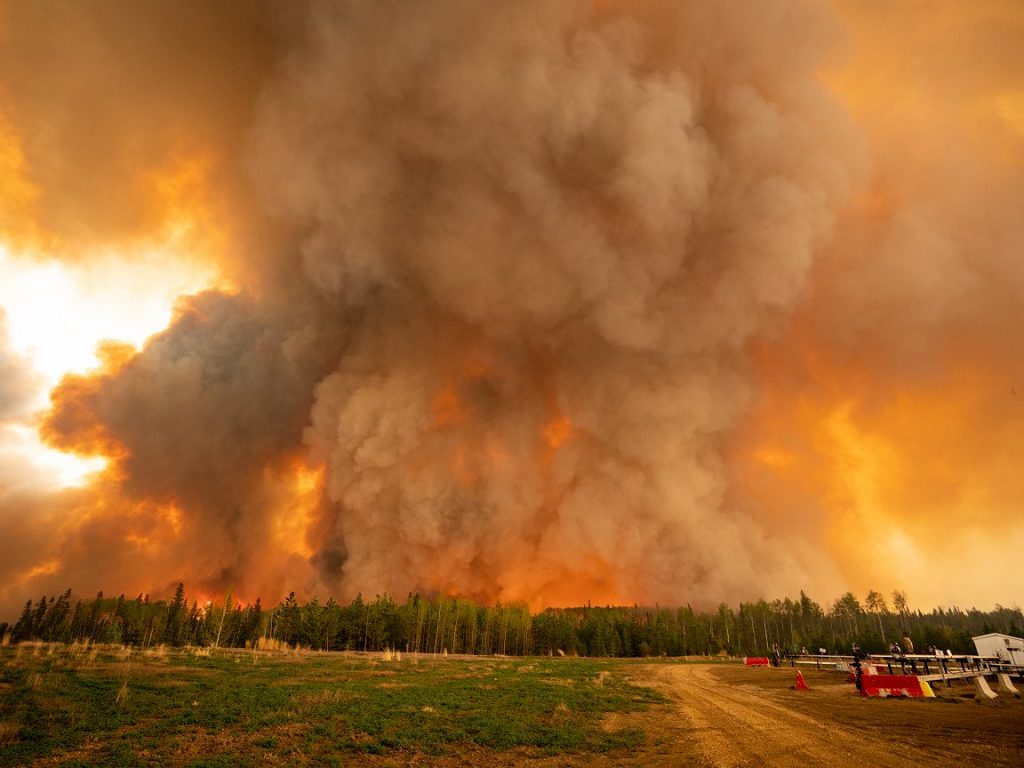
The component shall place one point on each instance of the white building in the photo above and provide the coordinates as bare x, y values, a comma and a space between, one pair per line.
1006, 647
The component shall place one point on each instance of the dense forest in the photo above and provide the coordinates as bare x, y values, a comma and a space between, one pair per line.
453, 625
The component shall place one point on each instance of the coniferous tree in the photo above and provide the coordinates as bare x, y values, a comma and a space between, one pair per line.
174, 625
289, 623
450, 624
38, 616
23, 626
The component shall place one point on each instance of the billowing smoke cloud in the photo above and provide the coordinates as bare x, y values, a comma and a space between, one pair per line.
202, 422
558, 219
521, 286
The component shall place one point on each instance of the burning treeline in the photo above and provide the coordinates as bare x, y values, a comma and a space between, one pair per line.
532, 302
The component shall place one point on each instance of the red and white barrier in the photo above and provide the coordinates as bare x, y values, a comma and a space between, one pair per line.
756, 661
893, 685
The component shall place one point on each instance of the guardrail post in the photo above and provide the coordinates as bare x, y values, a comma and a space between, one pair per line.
1005, 685
981, 686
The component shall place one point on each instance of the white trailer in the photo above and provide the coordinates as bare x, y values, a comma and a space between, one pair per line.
1006, 647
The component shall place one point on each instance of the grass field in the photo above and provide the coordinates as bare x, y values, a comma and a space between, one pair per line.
87, 706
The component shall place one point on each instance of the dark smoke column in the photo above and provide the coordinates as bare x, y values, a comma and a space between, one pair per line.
558, 226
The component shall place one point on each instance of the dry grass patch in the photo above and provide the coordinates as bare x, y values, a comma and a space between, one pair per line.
10, 733
202, 742
159, 652
560, 713
564, 682
325, 696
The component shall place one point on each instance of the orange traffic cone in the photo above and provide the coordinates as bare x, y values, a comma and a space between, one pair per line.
801, 684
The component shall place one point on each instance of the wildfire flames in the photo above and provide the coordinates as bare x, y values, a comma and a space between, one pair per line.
541, 302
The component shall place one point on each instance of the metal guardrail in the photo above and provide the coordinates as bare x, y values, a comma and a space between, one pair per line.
958, 665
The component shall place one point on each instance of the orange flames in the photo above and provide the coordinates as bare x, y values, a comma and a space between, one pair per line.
301, 493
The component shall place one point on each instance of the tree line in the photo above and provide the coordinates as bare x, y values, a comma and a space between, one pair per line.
441, 624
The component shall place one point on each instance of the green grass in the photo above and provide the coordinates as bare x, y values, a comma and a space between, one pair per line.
236, 708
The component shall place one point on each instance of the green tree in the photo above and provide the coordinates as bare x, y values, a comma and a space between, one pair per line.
174, 624
875, 603
23, 626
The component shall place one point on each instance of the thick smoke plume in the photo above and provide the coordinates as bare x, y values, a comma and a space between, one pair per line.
550, 302
564, 227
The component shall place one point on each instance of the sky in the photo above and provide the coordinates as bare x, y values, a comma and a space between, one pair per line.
620, 302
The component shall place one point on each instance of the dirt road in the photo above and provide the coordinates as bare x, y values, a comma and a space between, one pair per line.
733, 717
730, 727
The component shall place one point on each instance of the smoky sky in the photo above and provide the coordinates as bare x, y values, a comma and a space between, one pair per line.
505, 274
17, 382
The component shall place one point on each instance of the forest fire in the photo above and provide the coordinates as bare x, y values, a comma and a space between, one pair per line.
303, 494
550, 303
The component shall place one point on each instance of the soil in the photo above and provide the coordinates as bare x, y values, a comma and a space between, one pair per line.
736, 716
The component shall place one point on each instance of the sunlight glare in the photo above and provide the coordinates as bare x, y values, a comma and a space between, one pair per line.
57, 312
37, 464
